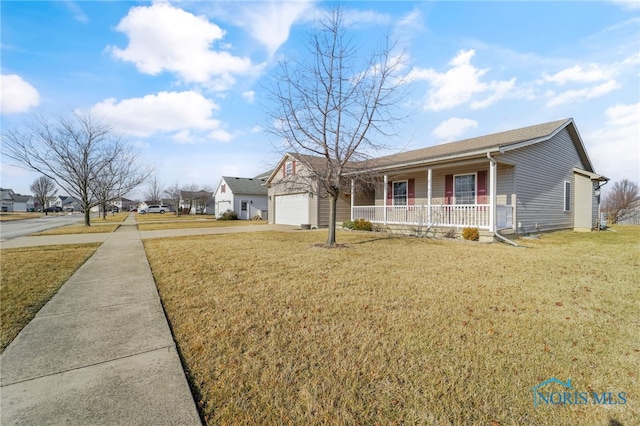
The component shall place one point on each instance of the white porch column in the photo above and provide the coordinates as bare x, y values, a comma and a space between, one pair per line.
384, 200
429, 187
493, 168
353, 196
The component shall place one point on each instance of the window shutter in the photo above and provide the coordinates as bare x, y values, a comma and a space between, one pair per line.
390, 193
411, 195
482, 187
448, 189
284, 169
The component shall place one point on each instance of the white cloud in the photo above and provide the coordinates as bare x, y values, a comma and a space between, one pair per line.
579, 74
614, 149
460, 84
180, 112
627, 4
165, 38
579, 95
76, 11
451, 129
356, 17
249, 96
17, 95
269, 22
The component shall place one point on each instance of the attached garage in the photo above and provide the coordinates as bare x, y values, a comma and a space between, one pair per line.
292, 209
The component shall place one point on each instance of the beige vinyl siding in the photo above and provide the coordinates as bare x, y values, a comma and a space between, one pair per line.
343, 207
595, 213
583, 199
540, 172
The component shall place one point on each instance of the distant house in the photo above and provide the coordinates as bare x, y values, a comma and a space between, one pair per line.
13, 202
536, 178
124, 204
67, 203
6, 199
196, 202
23, 203
245, 196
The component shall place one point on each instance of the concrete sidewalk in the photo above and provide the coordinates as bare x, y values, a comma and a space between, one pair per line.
100, 352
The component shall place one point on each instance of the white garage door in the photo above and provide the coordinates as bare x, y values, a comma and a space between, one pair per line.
292, 209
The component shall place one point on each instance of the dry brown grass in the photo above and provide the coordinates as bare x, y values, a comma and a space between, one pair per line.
171, 216
5, 217
30, 277
154, 226
274, 330
110, 218
98, 228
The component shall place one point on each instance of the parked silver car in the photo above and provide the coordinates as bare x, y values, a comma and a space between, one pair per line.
156, 208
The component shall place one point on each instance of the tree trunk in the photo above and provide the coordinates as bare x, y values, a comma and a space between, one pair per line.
333, 204
87, 218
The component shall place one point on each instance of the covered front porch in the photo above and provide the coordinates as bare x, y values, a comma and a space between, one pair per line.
447, 216
453, 195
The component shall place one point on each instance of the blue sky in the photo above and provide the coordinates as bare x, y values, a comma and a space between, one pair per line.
186, 80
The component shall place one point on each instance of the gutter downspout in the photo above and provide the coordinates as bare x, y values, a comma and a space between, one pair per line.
493, 207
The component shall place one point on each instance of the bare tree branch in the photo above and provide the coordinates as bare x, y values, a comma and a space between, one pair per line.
42, 188
77, 154
622, 200
336, 105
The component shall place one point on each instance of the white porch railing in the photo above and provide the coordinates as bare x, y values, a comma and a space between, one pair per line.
458, 216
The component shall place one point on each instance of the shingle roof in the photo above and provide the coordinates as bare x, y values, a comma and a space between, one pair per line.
251, 186
497, 140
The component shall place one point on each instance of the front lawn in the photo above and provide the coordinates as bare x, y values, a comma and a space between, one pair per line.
204, 223
10, 216
276, 330
30, 277
98, 228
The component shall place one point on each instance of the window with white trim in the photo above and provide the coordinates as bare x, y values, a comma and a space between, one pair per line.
567, 196
464, 189
400, 189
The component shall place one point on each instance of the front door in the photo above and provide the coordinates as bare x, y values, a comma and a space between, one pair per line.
244, 210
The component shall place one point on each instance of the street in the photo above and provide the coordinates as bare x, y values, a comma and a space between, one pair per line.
21, 228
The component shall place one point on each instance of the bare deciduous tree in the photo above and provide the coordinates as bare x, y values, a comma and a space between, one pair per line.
621, 200
154, 191
189, 195
72, 152
120, 176
174, 193
336, 105
42, 188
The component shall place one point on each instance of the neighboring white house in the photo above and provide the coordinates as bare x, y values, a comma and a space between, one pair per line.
245, 196
6, 199
67, 203
12, 202
196, 202
23, 203
124, 204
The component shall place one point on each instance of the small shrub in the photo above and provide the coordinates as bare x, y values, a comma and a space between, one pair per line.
471, 234
362, 225
229, 215
347, 224
449, 233
257, 217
